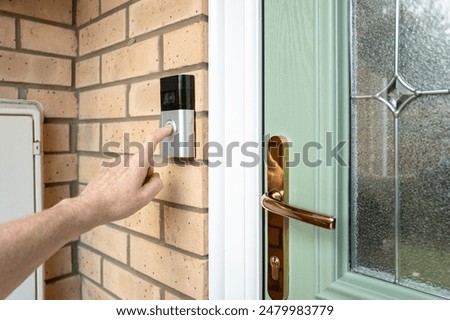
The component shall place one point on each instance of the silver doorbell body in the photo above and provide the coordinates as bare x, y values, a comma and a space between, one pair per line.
177, 109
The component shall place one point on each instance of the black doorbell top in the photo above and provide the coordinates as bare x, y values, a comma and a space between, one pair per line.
177, 92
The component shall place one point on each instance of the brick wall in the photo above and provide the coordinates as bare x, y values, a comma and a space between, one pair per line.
124, 48
38, 46
98, 78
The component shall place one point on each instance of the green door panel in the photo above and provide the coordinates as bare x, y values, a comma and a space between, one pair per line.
306, 99
300, 104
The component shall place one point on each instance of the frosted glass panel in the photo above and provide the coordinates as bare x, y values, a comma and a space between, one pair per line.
425, 200
373, 44
424, 43
400, 215
373, 200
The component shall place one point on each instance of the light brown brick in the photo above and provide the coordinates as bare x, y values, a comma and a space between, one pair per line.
88, 137
53, 10
88, 167
201, 138
148, 15
179, 271
87, 10
87, 72
81, 187
186, 230
170, 296
135, 130
106, 32
7, 32
8, 93
46, 38
89, 264
184, 185
91, 291
54, 194
29, 68
127, 285
64, 289
110, 241
145, 221
136, 60
103, 103
145, 98
59, 264
56, 137
60, 167
186, 46
57, 104
108, 5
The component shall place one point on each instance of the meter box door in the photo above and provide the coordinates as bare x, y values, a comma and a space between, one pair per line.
21, 174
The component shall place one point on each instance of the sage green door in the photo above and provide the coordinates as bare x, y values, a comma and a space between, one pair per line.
361, 90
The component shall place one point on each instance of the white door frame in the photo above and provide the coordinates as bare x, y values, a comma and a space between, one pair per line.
235, 116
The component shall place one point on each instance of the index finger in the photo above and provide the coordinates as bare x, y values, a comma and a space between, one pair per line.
156, 137
144, 159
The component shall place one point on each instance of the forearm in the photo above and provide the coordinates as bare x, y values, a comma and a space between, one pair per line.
113, 194
28, 242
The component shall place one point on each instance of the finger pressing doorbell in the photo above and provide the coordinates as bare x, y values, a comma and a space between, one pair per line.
177, 109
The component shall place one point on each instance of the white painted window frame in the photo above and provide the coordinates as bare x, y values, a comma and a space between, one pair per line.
235, 115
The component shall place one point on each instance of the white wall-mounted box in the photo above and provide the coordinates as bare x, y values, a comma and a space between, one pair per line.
21, 174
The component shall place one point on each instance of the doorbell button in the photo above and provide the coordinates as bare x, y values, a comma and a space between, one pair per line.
172, 123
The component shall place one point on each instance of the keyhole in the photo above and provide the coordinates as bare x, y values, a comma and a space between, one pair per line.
275, 263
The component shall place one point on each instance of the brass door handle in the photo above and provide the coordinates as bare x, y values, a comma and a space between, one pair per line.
272, 202
278, 210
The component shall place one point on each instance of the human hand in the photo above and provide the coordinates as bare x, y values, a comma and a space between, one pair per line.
117, 192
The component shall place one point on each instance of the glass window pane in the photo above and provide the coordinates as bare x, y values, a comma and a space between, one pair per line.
401, 215
373, 45
424, 199
424, 42
373, 203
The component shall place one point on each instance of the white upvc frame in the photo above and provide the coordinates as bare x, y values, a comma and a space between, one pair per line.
235, 115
